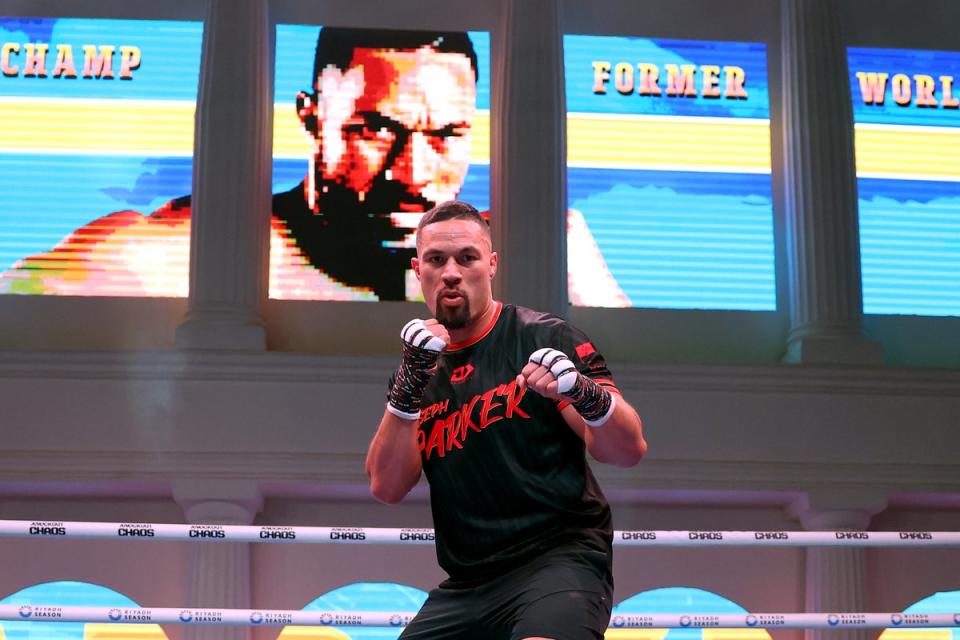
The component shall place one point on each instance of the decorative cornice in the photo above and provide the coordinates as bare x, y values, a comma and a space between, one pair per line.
792, 379
277, 367
300, 473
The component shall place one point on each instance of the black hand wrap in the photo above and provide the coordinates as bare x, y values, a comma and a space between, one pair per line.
594, 403
421, 349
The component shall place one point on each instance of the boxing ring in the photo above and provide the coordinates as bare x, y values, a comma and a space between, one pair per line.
200, 533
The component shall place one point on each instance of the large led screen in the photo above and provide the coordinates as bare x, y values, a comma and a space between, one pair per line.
668, 174
372, 128
905, 110
96, 149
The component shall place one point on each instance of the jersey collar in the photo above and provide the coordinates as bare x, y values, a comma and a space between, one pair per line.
456, 346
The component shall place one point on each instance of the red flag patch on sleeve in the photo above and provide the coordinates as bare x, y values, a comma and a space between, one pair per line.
585, 349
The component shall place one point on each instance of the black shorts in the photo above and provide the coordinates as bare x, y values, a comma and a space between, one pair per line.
562, 595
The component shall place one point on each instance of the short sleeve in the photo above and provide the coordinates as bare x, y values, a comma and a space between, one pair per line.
584, 355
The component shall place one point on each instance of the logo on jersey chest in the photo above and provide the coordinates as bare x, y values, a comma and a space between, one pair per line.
460, 374
451, 431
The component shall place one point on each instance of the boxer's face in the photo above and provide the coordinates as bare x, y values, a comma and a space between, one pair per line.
394, 128
455, 265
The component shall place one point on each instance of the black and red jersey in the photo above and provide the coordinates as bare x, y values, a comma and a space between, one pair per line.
508, 477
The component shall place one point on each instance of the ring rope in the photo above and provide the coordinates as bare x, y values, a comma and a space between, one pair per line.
374, 535
263, 617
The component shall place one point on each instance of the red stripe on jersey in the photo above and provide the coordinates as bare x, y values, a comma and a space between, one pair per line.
456, 346
585, 349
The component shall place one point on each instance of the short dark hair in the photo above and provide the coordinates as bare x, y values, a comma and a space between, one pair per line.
453, 210
335, 45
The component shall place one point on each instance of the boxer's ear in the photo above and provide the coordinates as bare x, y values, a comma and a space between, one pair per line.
415, 264
307, 112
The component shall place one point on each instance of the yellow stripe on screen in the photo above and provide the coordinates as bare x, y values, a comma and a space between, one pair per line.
123, 632
682, 144
735, 634
97, 127
635, 634
916, 634
165, 129
887, 151
312, 633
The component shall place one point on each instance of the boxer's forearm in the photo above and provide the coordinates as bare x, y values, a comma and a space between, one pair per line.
620, 440
393, 460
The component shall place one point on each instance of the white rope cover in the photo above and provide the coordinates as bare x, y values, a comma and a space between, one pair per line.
252, 617
371, 535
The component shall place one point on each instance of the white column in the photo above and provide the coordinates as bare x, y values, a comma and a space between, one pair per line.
231, 180
823, 240
528, 177
836, 579
219, 572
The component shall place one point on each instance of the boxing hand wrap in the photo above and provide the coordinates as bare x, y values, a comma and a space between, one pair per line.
420, 352
594, 403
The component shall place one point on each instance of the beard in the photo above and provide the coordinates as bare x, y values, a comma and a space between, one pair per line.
382, 197
456, 318
349, 239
